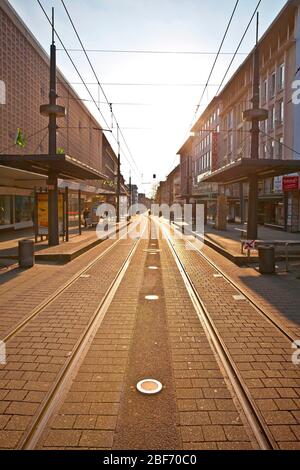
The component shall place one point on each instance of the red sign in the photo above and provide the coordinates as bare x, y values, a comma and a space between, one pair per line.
290, 183
250, 244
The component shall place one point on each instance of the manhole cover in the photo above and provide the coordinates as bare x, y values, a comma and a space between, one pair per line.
149, 387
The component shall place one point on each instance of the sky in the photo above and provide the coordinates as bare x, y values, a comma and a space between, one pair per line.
155, 120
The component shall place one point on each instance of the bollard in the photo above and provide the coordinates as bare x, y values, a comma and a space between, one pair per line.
266, 255
26, 253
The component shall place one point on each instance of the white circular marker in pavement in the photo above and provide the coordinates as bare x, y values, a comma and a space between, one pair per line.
149, 387
151, 297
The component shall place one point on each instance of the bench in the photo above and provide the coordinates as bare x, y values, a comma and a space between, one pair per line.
242, 231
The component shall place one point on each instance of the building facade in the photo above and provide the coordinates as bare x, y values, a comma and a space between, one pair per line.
221, 136
24, 70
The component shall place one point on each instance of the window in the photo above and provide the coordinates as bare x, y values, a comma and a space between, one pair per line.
272, 85
5, 210
280, 112
280, 148
230, 143
265, 91
272, 147
281, 78
230, 120
265, 150
272, 118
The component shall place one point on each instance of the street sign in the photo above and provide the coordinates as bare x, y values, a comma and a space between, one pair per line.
290, 183
250, 244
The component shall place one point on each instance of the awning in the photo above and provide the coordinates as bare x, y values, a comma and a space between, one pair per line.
64, 166
242, 169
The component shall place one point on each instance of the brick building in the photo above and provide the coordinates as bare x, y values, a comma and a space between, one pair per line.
24, 69
221, 136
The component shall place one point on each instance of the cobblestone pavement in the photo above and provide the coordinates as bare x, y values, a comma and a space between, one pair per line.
279, 295
139, 339
260, 351
37, 353
21, 291
162, 339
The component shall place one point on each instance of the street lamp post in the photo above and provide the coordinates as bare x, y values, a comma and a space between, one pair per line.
118, 177
53, 111
254, 115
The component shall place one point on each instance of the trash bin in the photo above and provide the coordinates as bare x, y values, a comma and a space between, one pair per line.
26, 253
266, 255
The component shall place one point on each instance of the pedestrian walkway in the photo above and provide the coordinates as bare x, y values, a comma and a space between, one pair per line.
149, 308
229, 242
65, 251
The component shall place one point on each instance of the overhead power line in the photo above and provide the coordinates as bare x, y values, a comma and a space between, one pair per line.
239, 45
136, 51
217, 56
99, 84
148, 84
79, 74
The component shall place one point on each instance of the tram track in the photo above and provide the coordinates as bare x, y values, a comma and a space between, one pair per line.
259, 428
280, 327
54, 396
53, 297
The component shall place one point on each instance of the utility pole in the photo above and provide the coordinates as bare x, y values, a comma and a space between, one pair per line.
53, 111
118, 177
53, 223
130, 189
255, 117
188, 180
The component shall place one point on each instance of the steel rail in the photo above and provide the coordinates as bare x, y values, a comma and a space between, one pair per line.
254, 418
16, 329
60, 386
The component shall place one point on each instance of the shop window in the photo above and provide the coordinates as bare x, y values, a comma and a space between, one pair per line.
23, 209
5, 210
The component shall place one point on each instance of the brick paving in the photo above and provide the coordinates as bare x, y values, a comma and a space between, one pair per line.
22, 291
95, 410
262, 354
279, 295
38, 352
197, 408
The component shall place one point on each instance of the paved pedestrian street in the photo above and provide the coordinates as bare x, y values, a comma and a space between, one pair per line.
149, 232
224, 363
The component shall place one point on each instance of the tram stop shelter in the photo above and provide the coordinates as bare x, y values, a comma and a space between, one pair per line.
61, 166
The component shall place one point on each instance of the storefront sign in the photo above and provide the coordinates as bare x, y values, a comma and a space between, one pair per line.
278, 184
290, 183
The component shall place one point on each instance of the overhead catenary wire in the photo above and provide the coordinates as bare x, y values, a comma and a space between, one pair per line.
217, 56
100, 85
79, 74
143, 51
239, 45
